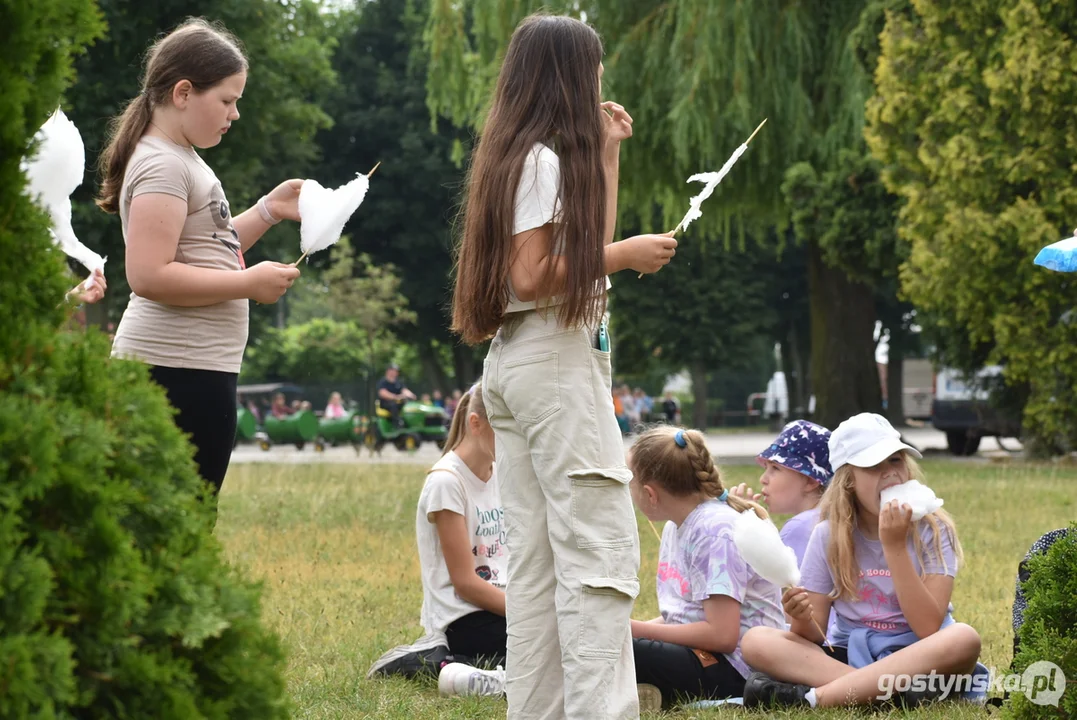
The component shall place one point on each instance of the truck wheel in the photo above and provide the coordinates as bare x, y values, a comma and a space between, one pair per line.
962, 444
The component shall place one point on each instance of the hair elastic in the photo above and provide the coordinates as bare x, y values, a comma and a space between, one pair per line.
263, 210
724, 497
679, 438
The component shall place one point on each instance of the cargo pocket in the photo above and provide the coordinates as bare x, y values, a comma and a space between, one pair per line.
602, 515
605, 614
534, 384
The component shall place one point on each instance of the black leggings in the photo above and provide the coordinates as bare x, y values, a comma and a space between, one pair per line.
678, 672
206, 405
480, 637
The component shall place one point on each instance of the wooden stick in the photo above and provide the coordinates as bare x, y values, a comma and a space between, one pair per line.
656, 534
816, 624
304, 255
756, 130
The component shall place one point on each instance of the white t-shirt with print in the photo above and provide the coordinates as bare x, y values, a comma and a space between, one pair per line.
452, 486
537, 203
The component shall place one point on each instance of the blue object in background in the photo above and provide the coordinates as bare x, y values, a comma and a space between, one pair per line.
1062, 256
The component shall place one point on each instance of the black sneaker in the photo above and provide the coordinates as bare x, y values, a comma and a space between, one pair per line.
416, 664
761, 690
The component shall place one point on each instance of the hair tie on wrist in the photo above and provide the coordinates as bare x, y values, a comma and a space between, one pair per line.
263, 210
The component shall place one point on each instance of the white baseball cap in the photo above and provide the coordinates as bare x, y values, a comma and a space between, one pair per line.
864, 441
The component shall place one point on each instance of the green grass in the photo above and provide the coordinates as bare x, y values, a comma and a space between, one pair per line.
335, 548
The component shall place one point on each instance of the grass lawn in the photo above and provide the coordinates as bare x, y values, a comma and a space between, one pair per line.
335, 548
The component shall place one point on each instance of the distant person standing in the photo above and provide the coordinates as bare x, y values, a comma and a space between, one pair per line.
670, 408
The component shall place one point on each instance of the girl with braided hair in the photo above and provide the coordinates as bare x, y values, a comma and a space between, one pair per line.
707, 594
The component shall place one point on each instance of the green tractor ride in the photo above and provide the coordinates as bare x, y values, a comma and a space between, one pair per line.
421, 423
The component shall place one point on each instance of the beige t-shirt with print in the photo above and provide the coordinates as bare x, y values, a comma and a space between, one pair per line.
212, 337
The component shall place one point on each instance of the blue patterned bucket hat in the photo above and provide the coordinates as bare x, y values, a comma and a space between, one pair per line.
802, 446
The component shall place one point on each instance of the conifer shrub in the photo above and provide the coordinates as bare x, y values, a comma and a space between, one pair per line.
115, 599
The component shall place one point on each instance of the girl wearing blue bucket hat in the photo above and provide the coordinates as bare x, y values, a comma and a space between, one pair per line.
796, 470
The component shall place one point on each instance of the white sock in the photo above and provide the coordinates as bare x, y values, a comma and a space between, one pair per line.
810, 697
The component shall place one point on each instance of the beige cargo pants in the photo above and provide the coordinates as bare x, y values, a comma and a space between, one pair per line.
571, 528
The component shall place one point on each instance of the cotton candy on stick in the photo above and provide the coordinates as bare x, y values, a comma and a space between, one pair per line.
711, 180
53, 174
324, 212
919, 497
1061, 256
761, 546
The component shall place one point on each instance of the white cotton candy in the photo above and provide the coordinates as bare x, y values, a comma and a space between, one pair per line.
712, 179
919, 497
761, 547
53, 173
324, 212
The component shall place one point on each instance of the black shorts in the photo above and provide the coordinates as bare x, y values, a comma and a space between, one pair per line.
685, 674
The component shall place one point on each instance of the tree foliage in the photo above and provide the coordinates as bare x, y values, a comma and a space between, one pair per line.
115, 600
380, 114
973, 120
363, 306
707, 310
697, 76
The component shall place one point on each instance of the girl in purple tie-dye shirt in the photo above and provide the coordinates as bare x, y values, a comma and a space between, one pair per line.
707, 594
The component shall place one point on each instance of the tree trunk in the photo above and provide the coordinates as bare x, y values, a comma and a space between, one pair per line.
464, 366
895, 378
845, 378
699, 395
796, 378
432, 369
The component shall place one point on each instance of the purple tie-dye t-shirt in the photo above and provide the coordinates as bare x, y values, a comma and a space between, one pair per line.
876, 606
796, 532
699, 559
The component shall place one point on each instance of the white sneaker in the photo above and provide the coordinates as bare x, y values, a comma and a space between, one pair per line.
461, 679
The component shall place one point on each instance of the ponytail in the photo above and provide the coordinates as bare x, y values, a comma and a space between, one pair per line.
678, 460
200, 52
125, 131
471, 402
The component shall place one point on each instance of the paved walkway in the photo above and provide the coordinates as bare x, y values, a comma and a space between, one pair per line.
730, 448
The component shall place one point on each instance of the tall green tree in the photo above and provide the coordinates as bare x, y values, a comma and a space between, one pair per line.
289, 45
708, 311
698, 76
850, 217
379, 112
973, 119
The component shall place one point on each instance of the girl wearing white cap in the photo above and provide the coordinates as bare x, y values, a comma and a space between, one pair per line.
888, 580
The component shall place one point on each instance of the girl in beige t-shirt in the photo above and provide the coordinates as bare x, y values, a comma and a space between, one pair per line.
187, 317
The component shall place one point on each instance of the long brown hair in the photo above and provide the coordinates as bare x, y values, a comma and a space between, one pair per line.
198, 51
471, 402
658, 459
840, 508
547, 92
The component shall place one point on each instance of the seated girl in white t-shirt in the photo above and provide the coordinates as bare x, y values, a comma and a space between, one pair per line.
461, 539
